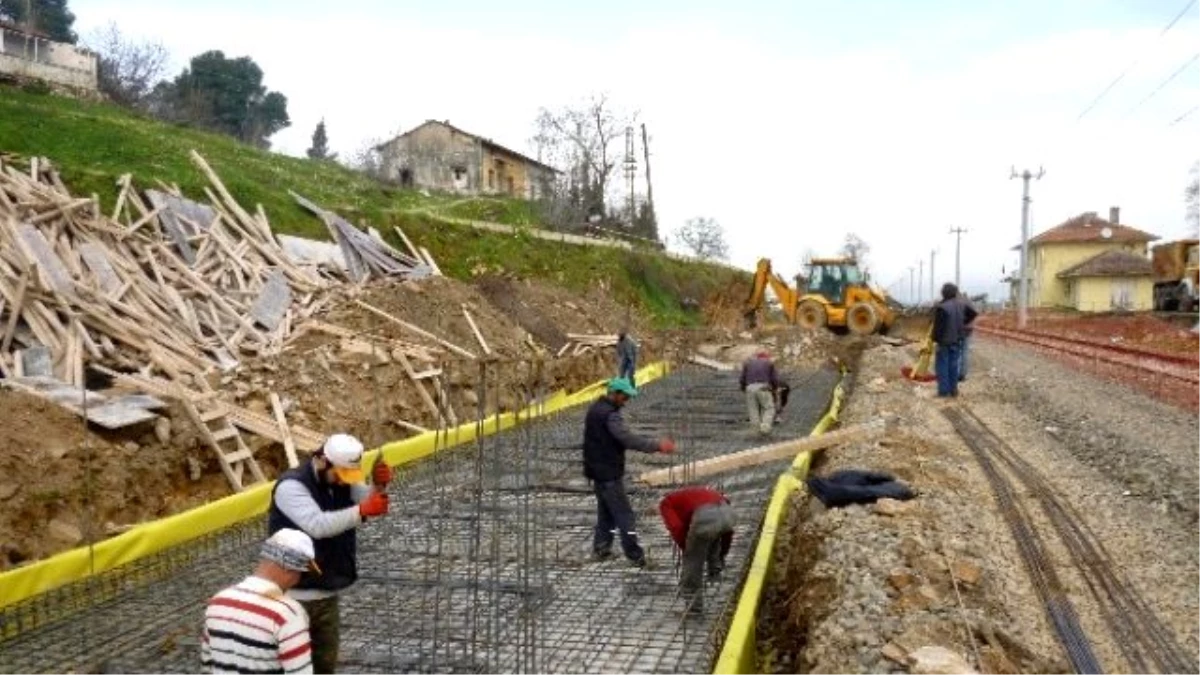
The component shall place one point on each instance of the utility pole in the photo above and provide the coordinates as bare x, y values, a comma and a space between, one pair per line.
958, 233
630, 172
912, 285
932, 281
649, 185
1023, 295
920, 278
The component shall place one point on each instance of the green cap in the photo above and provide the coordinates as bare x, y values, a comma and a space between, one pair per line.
622, 385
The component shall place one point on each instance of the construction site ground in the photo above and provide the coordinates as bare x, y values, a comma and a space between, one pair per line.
865, 588
325, 383
483, 565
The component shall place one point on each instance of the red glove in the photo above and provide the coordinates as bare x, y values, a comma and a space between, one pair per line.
666, 446
374, 505
381, 474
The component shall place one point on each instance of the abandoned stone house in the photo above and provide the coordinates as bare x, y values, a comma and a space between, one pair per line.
439, 156
27, 56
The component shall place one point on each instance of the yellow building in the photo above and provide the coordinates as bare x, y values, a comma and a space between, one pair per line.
1092, 265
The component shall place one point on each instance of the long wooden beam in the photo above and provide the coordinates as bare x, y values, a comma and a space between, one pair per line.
764, 454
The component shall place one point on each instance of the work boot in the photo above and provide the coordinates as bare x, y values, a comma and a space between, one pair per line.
601, 555
640, 563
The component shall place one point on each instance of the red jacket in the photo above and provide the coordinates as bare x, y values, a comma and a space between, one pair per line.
677, 509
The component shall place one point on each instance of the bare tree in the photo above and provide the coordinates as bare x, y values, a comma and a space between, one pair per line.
703, 238
579, 140
127, 70
366, 159
1191, 199
855, 247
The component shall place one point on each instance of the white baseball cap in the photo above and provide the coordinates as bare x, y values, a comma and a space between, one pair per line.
345, 453
291, 549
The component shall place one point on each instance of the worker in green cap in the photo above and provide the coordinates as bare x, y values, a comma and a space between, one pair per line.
605, 440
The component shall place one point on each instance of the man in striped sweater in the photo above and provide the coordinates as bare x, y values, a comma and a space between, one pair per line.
252, 627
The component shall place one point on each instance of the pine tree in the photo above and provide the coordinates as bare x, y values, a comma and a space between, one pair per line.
320, 143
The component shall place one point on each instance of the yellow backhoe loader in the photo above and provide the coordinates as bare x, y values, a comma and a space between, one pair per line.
832, 293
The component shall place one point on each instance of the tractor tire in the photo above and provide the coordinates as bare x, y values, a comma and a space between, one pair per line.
810, 315
862, 319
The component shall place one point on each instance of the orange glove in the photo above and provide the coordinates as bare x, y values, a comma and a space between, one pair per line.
381, 474
376, 504
666, 446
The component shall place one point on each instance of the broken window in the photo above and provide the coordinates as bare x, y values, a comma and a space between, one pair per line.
460, 173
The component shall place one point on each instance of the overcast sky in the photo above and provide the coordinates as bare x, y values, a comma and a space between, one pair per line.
791, 123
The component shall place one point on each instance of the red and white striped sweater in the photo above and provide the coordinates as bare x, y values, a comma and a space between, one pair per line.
254, 628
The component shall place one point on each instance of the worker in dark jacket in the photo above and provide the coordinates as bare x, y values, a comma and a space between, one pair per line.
969, 315
627, 353
700, 521
950, 318
605, 440
327, 499
760, 381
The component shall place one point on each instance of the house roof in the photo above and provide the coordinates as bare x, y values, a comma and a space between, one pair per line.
1114, 263
486, 141
1089, 227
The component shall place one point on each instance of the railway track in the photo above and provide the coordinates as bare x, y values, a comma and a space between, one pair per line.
1142, 362
1143, 640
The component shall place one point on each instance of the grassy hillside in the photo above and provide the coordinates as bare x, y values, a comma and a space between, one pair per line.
93, 144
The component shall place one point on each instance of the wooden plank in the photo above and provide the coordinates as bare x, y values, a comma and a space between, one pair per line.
765, 454
289, 446
49, 267
14, 312
96, 258
712, 363
425, 397
475, 329
412, 427
415, 329
404, 238
432, 264
272, 303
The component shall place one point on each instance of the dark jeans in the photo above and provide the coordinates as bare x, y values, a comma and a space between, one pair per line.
613, 512
947, 369
325, 632
962, 357
781, 397
709, 524
627, 370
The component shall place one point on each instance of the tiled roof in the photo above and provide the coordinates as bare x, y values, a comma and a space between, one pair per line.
1089, 227
1114, 263
486, 141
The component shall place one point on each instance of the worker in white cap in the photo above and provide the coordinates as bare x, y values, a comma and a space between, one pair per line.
252, 627
328, 499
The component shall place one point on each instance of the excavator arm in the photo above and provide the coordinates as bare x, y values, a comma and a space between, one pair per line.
763, 276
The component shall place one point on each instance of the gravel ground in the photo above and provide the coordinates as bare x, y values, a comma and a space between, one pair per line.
854, 590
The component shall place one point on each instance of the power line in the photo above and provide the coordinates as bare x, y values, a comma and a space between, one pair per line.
1183, 116
1165, 82
1130, 67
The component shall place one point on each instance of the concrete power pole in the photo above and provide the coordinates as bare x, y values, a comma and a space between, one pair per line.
958, 233
1023, 291
649, 185
932, 280
920, 278
912, 284
630, 173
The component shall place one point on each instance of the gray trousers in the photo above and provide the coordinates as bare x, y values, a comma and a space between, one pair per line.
760, 404
709, 523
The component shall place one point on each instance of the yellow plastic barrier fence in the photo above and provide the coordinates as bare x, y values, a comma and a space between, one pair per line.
739, 652
155, 536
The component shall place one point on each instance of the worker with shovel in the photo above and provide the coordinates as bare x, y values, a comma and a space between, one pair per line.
605, 440
327, 499
700, 521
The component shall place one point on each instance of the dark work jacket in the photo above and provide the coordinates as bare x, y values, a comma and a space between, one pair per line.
605, 440
337, 556
950, 321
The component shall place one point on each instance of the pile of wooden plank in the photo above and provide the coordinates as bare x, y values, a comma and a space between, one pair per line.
158, 293
581, 343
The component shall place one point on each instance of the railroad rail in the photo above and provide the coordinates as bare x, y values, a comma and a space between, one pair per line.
1186, 369
1143, 640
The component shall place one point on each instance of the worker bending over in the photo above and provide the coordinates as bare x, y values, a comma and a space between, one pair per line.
605, 440
252, 627
700, 521
327, 499
760, 381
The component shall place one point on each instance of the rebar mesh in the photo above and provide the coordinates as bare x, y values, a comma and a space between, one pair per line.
484, 563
